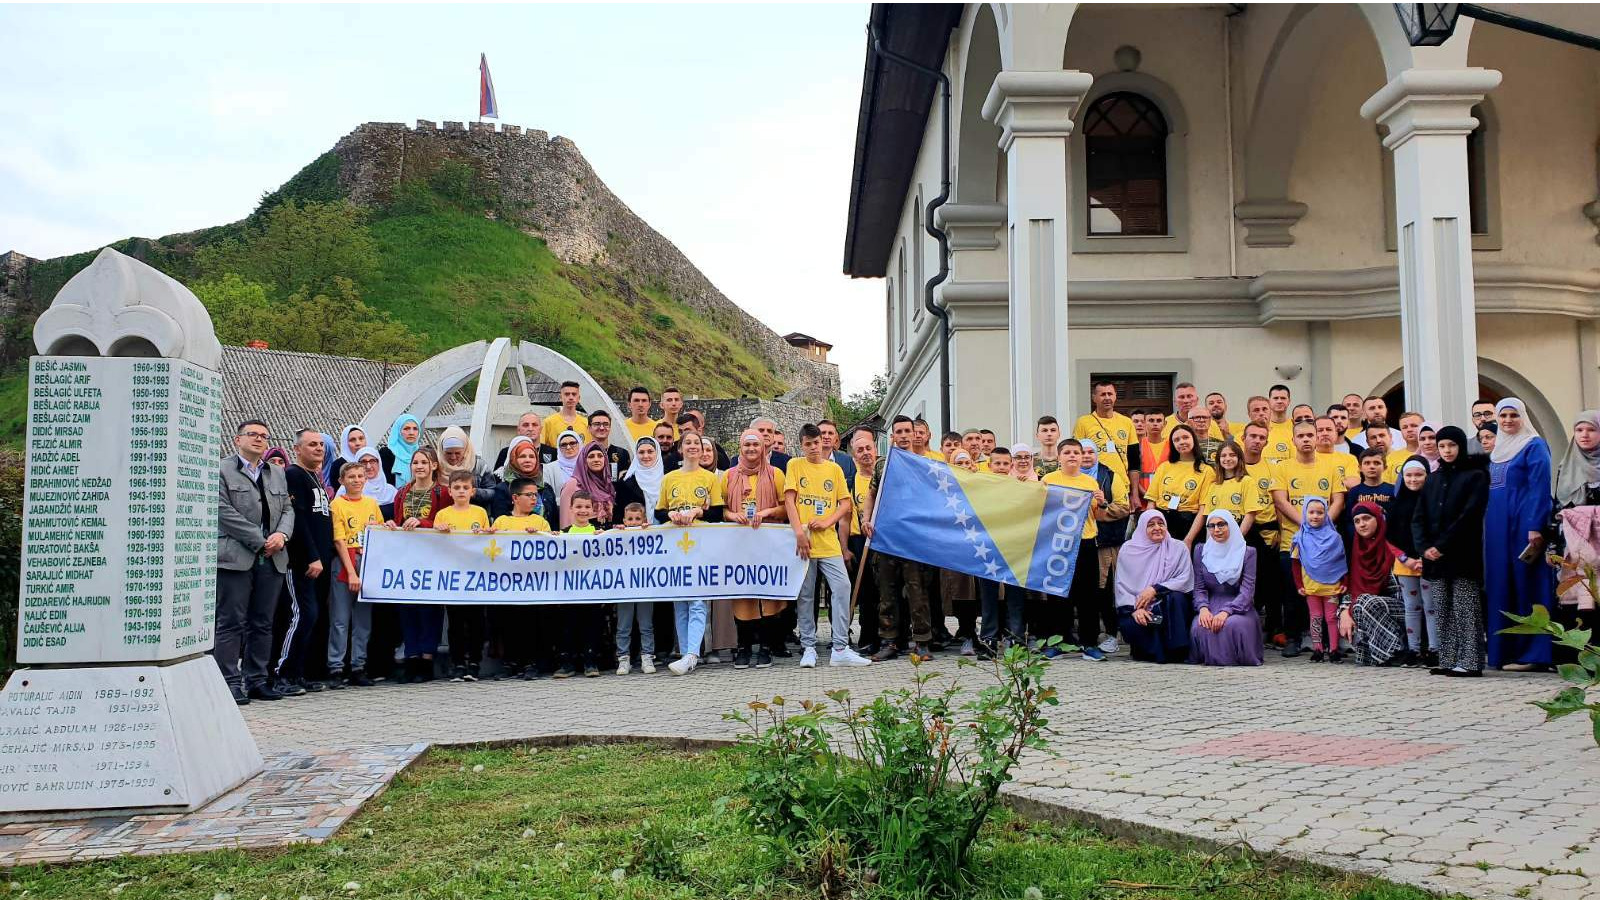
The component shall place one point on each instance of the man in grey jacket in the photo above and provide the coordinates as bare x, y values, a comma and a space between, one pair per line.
254, 522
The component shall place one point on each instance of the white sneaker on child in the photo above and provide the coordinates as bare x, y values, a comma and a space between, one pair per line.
847, 657
622, 666
1109, 645
808, 659
684, 665
647, 665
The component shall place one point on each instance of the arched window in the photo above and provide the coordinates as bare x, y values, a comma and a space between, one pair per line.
1125, 166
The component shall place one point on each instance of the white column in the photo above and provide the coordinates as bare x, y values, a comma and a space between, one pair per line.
1034, 113
1429, 114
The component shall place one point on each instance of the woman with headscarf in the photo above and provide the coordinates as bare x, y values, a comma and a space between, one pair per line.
521, 463
1487, 432
1022, 463
1449, 531
1154, 579
592, 475
1226, 629
1319, 570
405, 436
415, 502
351, 440
1574, 532
1578, 476
1428, 444
568, 445
753, 494
276, 456
377, 487
330, 464
1421, 613
1515, 575
1372, 619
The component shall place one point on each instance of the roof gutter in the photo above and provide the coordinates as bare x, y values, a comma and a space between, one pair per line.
928, 223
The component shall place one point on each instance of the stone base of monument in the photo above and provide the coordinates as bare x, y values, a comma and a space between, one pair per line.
124, 739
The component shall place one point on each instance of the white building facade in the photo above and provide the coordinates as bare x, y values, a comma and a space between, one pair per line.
1233, 195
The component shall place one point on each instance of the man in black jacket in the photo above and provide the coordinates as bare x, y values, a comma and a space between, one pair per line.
310, 564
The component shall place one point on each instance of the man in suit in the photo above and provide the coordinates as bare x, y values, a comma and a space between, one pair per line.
254, 522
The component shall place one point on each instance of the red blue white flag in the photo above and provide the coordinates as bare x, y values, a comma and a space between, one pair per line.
487, 107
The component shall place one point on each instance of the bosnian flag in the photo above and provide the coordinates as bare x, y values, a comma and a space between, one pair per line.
487, 107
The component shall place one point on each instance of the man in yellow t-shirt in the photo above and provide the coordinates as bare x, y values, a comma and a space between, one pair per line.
1280, 427
1378, 437
922, 439
567, 417
1217, 405
1083, 589
1185, 398
638, 423
817, 497
1112, 432
1328, 434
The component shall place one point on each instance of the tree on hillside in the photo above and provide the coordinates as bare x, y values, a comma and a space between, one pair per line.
297, 247
338, 323
859, 405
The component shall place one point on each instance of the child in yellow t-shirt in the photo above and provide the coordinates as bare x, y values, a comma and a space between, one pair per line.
349, 621
1319, 570
1083, 583
462, 515
524, 494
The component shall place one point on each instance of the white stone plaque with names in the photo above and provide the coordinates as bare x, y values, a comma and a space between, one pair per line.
120, 510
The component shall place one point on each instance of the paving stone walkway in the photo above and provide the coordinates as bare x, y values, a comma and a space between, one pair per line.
1451, 784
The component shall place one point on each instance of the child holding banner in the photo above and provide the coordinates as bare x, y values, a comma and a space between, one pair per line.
643, 611
1084, 591
580, 625
350, 620
466, 620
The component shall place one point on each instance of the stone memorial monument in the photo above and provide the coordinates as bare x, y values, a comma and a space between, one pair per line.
118, 706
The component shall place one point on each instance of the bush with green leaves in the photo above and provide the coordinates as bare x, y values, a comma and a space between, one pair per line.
899, 786
1581, 676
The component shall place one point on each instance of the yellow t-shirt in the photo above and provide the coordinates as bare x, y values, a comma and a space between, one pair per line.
553, 425
637, 433
351, 518
933, 454
818, 490
1348, 466
1392, 464
521, 523
1117, 431
1280, 442
750, 494
1090, 527
462, 519
682, 489
1238, 498
1261, 474
1180, 480
858, 495
1319, 478
1314, 588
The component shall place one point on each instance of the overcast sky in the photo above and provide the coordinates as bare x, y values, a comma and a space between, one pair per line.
728, 128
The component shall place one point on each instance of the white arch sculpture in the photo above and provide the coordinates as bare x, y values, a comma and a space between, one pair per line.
502, 369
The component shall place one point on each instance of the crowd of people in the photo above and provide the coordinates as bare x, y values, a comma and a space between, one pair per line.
1210, 541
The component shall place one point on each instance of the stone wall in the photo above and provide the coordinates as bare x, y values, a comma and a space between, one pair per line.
13, 300
547, 187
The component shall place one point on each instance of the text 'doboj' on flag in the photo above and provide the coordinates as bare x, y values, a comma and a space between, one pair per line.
704, 562
1020, 533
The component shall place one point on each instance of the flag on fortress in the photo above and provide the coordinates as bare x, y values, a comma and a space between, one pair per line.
487, 107
1019, 533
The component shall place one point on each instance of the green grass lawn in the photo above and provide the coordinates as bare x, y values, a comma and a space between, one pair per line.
571, 823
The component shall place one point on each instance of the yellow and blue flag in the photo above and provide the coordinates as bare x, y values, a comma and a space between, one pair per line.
995, 527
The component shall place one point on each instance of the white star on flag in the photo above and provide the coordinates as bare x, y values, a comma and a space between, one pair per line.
944, 483
980, 551
962, 518
953, 502
972, 533
991, 569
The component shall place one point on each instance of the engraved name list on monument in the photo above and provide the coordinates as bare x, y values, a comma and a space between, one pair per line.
120, 507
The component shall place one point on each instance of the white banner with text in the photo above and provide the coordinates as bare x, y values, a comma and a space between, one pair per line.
704, 562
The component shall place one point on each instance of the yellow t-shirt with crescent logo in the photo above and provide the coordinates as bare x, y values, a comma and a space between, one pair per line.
1261, 474
1238, 498
1179, 479
1280, 442
1392, 464
1349, 467
681, 489
1318, 478
351, 518
818, 489
471, 519
521, 523
1118, 430
1091, 529
553, 425
858, 496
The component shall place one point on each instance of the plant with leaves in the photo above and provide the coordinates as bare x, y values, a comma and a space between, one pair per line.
906, 781
297, 248
1582, 676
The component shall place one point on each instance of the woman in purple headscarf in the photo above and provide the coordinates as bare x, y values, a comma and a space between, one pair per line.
1153, 583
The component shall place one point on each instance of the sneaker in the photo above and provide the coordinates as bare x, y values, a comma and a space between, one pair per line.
1109, 645
1460, 672
291, 687
590, 670
1430, 658
847, 657
458, 673
685, 664
472, 673
1336, 656
647, 664
1316, 655
1093, 654
565, 671
808, 659
239, 696
622, 666
314, 687
985, 651
782, 651
335, 680
358, 678
532, 673
1291, 649
886, 652
264, 693
741, 660
967, 649
763, 659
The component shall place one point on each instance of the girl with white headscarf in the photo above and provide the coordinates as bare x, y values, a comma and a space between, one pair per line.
568, 445
1515, 575
1226, 630
1579, 473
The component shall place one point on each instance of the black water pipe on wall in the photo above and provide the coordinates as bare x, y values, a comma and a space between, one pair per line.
927, 221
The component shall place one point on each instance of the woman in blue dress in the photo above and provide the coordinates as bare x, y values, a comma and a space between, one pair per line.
1519, 506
